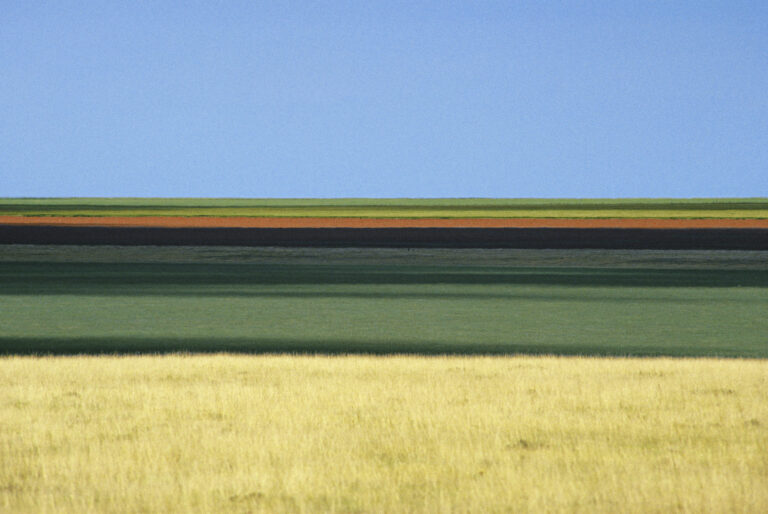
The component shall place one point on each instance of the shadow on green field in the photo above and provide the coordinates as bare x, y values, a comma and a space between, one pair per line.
248, 279
111, 345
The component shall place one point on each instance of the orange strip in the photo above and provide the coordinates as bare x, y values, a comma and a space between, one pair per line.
244, 222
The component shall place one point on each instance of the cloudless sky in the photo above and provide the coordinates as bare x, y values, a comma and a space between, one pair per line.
384, 98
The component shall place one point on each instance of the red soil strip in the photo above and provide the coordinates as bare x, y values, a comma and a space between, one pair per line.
244, 222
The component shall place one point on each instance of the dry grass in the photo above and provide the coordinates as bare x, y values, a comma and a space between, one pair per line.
382, 434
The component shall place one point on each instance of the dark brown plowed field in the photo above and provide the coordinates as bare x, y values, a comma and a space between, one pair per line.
289, 222
435, 237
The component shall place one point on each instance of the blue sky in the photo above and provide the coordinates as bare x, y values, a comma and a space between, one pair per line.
384, 99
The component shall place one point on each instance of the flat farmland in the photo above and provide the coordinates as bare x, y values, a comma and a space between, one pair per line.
378, 301
700, 224
750, 208
638, 224
239, 379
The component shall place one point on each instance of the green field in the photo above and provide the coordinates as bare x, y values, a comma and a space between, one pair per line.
394, 301
391, 208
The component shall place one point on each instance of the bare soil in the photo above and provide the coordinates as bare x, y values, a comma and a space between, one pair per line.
328, 222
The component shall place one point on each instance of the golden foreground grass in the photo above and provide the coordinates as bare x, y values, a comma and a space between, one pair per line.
382, 434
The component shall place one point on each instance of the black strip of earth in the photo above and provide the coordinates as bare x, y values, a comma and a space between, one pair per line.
536, 238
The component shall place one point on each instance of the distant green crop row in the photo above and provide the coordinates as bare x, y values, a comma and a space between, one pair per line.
391, 208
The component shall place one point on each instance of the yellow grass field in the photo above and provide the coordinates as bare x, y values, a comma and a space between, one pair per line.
227, 433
